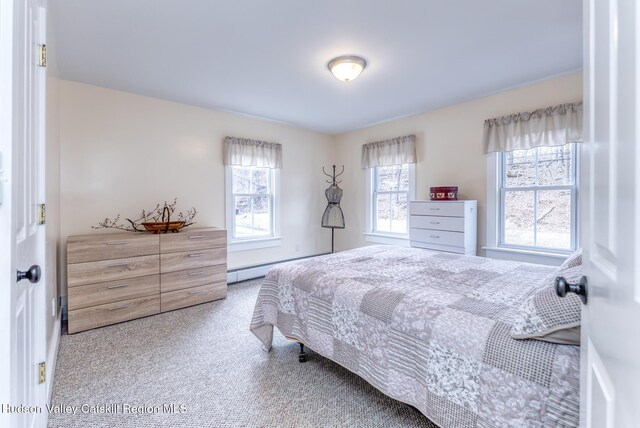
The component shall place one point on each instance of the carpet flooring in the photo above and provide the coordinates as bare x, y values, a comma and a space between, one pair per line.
202, 367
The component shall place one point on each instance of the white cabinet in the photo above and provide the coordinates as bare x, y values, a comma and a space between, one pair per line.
449, 226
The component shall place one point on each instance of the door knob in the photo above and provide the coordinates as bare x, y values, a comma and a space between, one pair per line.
33, 274
563, 287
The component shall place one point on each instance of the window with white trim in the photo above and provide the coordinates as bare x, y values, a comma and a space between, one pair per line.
391, 189
537, 199
251, 200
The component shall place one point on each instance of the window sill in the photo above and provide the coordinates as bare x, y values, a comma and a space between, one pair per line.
380, 238
530, 256
253, 244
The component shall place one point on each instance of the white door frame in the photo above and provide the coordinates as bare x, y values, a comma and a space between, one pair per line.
6, 246
10, 102
610, 342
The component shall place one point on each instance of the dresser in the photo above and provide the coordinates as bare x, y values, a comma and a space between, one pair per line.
118, 277
193, 267
449, 226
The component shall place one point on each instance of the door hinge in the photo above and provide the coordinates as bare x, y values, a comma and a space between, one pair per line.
42, 372
42, 214
42, 55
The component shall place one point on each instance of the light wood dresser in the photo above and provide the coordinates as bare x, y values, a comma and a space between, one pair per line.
121, 276
449, 226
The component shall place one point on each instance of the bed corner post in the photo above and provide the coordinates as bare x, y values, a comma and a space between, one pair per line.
302, 356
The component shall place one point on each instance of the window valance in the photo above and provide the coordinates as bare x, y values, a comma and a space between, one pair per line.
395, 151
245, 152
551, 126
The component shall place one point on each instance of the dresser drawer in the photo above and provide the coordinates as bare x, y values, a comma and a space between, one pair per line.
173, 281
454, 239
191, 240
192, 296
111, 270
454, 224
88, 248
173, 262
99, 316
113, 291
443, 248
443, 209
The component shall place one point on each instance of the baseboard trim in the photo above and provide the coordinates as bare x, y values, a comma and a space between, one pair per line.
52, 357
63, 307
257, 271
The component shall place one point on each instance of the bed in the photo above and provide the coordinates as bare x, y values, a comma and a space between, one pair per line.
428, 329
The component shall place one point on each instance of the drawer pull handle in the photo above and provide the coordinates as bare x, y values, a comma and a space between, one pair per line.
115, 308
196, 236
434, 209
195, 293
111, 287
117, 242
196, 273
434, 236
435, 222
196, 255
117, 265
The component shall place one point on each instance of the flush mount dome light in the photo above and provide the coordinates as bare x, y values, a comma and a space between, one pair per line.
347, 68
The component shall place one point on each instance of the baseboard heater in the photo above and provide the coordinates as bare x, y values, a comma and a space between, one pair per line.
257, 271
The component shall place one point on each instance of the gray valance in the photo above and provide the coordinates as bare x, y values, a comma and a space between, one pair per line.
389, 152
551, 126
245, 152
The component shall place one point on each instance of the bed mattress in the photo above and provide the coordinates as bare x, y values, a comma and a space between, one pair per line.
429, 329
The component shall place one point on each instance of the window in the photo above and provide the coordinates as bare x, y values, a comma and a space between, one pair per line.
391, 189
251, 198
538, 198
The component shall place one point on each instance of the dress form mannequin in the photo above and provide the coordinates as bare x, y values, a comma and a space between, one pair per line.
333, 217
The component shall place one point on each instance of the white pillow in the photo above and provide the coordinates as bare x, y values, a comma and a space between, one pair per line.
546, 316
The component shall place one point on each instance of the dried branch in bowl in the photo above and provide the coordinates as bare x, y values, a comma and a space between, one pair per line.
188, 217
154, 215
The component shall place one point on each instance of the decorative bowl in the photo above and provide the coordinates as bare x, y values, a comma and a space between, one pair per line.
163, 226
446, 193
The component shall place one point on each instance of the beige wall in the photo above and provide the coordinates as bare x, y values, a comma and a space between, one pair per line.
52, 201
123, 152
449, 144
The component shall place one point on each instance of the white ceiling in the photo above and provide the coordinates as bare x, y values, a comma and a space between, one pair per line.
267, 58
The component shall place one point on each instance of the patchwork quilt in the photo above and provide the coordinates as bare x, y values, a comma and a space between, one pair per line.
429, 329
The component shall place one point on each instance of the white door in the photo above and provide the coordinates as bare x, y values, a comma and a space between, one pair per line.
610, 363
22, 110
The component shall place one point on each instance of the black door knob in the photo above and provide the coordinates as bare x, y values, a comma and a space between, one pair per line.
33, 274
563, 287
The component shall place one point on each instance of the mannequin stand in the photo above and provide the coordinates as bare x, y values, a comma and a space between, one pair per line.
333, 231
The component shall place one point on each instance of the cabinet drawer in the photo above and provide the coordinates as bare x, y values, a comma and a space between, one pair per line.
191, 240
186, 260
88, 248
454, 224
113, 291
99, 316
111, 270
173, 281
445, 209
442, 248
454, 239
192, 296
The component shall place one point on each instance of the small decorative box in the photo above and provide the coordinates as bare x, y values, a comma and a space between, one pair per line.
447, 193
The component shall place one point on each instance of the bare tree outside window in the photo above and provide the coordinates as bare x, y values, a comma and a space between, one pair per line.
390, 199
252, 202
538, 197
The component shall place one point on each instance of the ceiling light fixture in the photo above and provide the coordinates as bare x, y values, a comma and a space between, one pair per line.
347, 67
